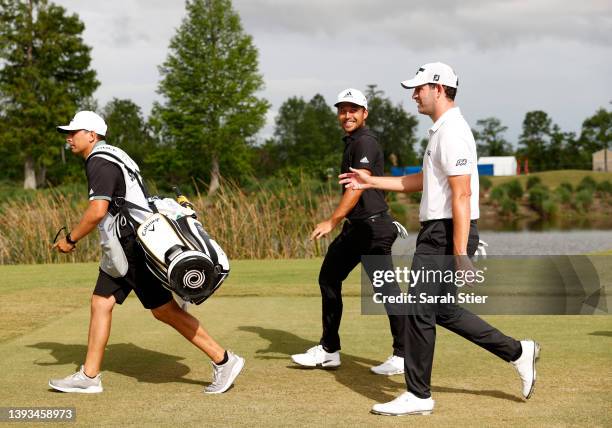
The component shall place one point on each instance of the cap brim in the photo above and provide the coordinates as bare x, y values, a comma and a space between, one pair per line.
413, 83
66, 129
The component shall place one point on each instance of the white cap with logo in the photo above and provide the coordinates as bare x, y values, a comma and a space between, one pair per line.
434, 72
353, 96
87, 120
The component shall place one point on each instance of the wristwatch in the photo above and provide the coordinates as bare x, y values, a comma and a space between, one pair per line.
69, 239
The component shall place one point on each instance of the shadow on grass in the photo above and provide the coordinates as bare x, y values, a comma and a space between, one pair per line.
601, 333
126, 359
355, 371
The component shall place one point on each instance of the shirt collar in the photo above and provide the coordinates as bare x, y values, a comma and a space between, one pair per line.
347, 138
451, 112
96, 145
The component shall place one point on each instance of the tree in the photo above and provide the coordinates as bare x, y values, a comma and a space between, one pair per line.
127, 129
534, 140
596, 134
489, 138
209, 81
43, 76
306, 137
394, 127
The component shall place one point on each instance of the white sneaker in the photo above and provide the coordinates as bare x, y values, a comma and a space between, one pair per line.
526, 366
317, 357
394, 365
224, 375
405, 404
78, 382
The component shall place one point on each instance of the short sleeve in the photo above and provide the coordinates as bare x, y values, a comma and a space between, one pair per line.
366, 151
456, 157
103, 178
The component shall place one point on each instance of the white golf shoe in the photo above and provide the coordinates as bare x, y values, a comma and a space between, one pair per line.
393, 366
317, 357
526, 366
225, 375
405, 404
78, 382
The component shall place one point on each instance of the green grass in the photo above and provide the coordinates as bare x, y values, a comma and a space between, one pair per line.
266, 311
552, 179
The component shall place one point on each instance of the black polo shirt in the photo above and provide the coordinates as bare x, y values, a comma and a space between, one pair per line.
362, 151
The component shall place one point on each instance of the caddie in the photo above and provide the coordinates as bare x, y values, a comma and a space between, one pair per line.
123, 267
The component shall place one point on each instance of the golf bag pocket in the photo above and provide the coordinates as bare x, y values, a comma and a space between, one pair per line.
113, 261
182, 256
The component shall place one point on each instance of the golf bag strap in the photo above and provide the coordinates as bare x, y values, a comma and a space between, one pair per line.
135, 173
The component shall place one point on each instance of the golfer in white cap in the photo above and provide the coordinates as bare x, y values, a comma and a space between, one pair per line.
448, 214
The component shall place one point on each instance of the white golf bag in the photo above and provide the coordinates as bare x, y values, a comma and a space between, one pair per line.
177, 249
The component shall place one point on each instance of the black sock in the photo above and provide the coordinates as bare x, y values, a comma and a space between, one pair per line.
224, 360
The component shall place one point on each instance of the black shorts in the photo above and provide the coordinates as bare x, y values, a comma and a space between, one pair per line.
139, 278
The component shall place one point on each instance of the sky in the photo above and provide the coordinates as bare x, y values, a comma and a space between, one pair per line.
511, 56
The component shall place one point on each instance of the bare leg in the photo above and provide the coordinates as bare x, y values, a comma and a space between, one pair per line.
99, 332
190, 328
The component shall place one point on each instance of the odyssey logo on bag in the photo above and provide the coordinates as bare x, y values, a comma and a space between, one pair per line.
364, 160
149, 227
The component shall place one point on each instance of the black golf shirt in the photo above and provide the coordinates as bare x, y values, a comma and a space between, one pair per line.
362, 151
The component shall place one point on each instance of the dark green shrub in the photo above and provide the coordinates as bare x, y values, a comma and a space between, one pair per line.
604, 187
508, 207
498, 194
485, 183
563, 195
532, 181
399, 211
537, 195
583, 200
550, 208
514, 190
588, 183
415, 197
567, 186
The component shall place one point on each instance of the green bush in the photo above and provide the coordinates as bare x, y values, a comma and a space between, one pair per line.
587, 183
567, 186
514, 190
485, 183
604, 187
583, 200
537, 195
533, 181
498, 194
416, 197
563, 195
399, 211
550, 208
508, 207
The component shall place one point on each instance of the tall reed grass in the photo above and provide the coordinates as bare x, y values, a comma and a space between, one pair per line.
261, 224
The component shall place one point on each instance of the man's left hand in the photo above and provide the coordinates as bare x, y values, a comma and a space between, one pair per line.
322, 229
64, 246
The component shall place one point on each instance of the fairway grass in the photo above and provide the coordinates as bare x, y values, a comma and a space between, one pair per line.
267, 311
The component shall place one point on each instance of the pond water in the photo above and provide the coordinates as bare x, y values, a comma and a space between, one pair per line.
531, 242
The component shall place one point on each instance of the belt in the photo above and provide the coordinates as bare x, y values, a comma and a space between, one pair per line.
428, 222
372, 217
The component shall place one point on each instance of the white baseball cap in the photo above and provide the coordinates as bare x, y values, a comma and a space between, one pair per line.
353, 96
434, 72
87, 120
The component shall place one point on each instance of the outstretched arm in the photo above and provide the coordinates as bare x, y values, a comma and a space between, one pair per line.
360, 179
348, 201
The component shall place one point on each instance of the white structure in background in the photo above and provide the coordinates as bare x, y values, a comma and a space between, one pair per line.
600, 159
502, 165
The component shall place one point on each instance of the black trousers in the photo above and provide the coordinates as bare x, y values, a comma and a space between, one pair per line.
436, 239
368, 237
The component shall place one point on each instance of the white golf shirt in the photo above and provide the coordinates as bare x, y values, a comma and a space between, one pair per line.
451, 151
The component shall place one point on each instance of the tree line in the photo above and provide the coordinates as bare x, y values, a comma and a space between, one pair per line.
206, 124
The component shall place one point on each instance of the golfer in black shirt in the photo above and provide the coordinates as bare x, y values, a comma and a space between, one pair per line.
368, 230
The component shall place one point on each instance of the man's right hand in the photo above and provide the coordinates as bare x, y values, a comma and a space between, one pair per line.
64, 246
358, 179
